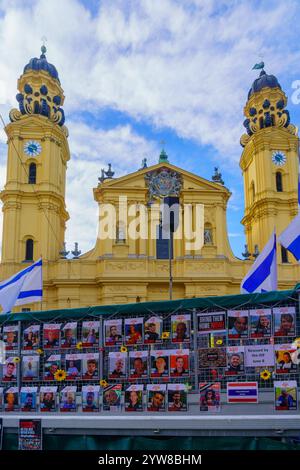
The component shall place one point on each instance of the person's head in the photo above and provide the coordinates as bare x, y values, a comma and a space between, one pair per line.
10, 368
51, 335
240, 324
90, 398
235, 360
287, 357
179, 362
151, 327
119, 365
68, 333
286, 321
29, 365
176, 397
132, 328
111, 397
53, 368
91, 366
10, 398
180, 330
30, 336
157, 399
48, 396
160, 364
10, 337
113, 330
70, 398
71, 363
29, 399
138, 365
133, 397
210, 395
264, 321
284, 392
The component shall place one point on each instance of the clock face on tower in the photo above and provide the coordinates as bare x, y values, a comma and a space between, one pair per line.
32, 148
278, 158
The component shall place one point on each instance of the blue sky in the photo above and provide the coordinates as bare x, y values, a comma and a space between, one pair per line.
136, 72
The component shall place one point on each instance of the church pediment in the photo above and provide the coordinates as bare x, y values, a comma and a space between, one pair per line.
138, 179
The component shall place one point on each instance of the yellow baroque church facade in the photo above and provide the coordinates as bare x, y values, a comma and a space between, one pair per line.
121, 268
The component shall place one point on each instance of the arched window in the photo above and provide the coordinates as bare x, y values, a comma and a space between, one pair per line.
32, 173
208, 235
29, 250
279, 187
284, 255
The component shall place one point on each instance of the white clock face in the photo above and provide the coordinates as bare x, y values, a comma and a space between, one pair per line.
278, 158
32, 148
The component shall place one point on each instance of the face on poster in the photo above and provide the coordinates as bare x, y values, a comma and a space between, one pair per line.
30, 368
113, 332
134, 330
69, 335
210, 397
284, 359
159, 363
285, 395
90, 366
48, 399
68, 399
51, 335
284, 321
28, 398
237, 324
235, 360
117, 365
153, 330
179, 363
90, 334
10, 370
260, 323
156, 397
134, 398
90, 398
73, 366
52, 365
212, 357
10, 337
211, 322
181, 328
112, 398
11, 399
138, 364
177, 397
31, 337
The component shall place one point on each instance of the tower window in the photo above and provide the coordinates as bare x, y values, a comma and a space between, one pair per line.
29, 250
32, 173
284, 255
279, 187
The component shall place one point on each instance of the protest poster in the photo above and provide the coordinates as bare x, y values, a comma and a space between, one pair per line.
30, 434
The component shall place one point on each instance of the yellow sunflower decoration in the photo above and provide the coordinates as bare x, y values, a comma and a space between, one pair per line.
40, 351
79, 345
165, 335
265, 374
16, 360
123, 349
103, 383
219, 342
60, 375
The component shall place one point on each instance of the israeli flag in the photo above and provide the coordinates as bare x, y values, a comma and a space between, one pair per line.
262, 277
290, 238
22, 288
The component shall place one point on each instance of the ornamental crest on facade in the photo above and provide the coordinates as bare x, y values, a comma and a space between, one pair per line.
163, 183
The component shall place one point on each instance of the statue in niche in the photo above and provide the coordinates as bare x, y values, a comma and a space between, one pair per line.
208, 236
121, 236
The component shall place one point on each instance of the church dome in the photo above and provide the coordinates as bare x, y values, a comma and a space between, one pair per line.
42, 64
263, 81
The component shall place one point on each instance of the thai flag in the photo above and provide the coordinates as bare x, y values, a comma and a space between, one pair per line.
262, 277
242, 392
22, 288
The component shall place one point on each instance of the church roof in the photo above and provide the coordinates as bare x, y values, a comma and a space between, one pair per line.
41, 63
263, 81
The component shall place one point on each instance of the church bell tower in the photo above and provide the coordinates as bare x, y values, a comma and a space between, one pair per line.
34, 212
269, 163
